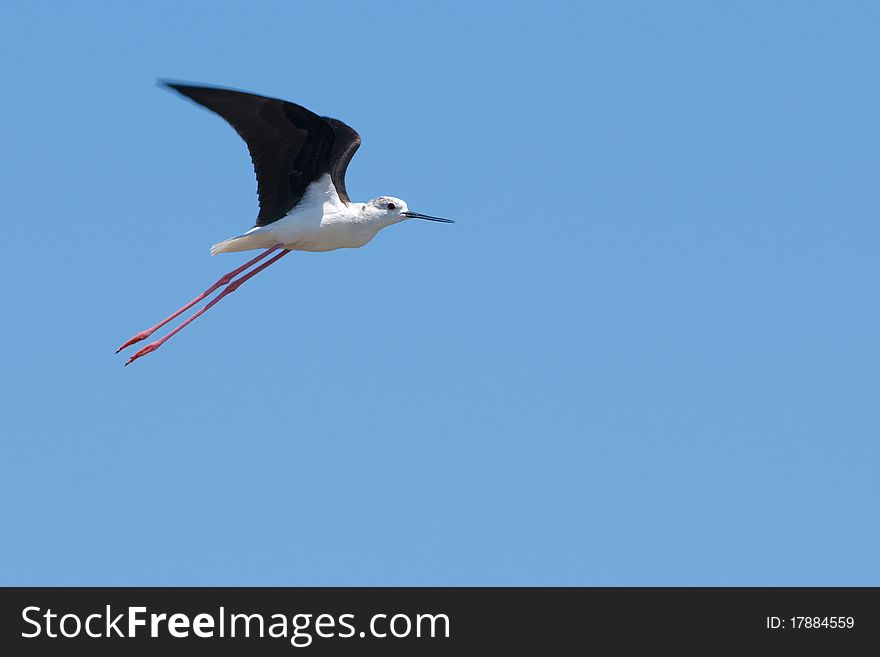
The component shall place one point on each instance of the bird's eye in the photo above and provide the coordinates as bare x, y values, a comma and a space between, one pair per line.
390, 206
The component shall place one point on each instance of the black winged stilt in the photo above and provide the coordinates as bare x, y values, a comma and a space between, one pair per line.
300, 160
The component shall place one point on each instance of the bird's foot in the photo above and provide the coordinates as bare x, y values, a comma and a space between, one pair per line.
143, 335
144, 351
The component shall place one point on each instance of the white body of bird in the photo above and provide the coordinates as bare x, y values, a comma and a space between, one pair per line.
321, 221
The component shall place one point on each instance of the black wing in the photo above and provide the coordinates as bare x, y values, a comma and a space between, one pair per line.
345, 144
290, 146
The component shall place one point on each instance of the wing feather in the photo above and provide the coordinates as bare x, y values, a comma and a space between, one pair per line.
290, 146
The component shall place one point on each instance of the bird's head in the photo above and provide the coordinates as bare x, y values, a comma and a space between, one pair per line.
390, 210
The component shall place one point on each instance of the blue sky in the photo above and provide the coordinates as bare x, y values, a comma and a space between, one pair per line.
647, 353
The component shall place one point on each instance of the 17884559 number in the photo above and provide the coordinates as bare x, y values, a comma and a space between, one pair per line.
810, 623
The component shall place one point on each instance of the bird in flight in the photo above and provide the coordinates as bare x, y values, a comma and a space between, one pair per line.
300, 160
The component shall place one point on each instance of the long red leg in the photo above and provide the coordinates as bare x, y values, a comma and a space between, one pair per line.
223, 280
229, 289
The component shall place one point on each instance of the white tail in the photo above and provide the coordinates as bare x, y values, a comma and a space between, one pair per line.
255, 238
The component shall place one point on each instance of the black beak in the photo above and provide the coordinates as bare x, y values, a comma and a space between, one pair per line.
419, 215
